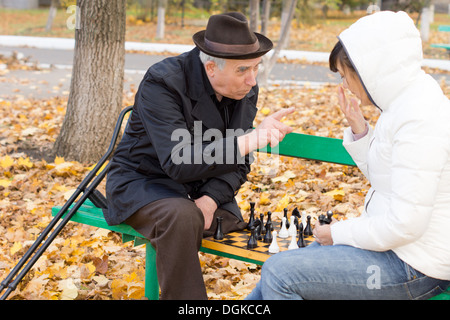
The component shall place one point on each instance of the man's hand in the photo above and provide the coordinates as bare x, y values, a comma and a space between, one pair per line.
270, 131
208, 206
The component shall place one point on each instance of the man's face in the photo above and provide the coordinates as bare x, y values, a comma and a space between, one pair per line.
235, 80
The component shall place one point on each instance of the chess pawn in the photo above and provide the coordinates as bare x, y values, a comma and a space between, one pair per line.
308, 229
251, 220
274, 248
293, 244
292, 228
263, 228
301, 241
268, 236
252, 242
285, 215
218, 235
269, 221
283, 231
329, 216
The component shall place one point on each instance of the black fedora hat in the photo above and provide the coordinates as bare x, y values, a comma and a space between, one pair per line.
228, 36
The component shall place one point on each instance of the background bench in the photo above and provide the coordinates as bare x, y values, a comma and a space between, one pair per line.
443, 28
294, 145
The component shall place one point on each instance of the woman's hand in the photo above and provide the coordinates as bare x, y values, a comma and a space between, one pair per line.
352, 112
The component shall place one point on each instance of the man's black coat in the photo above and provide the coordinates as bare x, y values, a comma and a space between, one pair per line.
173, 113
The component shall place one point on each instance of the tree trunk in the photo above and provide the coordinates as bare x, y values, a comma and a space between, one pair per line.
269, 61
254, 15
161, 19
51, 14
96, 89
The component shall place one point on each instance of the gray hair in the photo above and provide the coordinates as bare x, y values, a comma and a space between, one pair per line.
220, 62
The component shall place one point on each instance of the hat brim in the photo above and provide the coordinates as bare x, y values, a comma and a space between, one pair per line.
265, 45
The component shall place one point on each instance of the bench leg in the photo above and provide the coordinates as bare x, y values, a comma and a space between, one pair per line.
151, 279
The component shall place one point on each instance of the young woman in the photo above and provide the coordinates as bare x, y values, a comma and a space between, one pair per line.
399, 248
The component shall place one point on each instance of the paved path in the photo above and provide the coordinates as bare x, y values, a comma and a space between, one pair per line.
55, 59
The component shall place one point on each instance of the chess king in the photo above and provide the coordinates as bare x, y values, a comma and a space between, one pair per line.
175, 203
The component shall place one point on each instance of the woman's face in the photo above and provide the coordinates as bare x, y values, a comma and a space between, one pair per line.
351, 82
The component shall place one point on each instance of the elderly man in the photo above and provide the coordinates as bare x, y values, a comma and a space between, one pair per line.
185, 152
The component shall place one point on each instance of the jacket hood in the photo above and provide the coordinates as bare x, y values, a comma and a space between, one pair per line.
385, 49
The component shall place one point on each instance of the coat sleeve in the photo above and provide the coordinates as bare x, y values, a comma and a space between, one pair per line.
401, 216
358, 149
181, 156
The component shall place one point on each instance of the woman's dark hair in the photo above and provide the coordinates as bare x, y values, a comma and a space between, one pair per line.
338, 54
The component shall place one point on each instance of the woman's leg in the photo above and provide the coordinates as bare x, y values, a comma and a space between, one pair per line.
342, 272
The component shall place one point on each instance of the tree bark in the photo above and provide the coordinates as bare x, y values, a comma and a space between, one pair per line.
96, 88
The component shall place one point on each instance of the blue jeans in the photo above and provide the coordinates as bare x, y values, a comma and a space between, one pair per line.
342, 272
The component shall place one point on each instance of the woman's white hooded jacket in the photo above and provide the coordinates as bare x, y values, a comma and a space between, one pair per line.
406, 157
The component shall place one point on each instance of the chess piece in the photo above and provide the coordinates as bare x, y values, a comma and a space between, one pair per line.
268, 236
292, 231
296, 213
269, 221
322, 219
283, 231
251, 220
218, 235
252, 242
274, 248
293, 244
329, 216
308, 229
263, 228
301, 240
287, 220
257, 224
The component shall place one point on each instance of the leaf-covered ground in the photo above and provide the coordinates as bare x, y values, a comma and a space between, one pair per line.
89, 263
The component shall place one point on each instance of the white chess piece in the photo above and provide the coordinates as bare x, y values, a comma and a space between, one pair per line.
274, 248
283, 231
292, 231
293, 244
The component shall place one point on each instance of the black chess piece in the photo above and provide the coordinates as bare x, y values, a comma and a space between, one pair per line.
263, 228
218, 235
257, 224
268, 236
296, 213
308, 230
322, 219
269, 221
329, 217
251, 220
301, 240
287, 220
252, 242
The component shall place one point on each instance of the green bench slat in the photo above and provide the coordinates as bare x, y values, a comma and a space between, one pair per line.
444, 28
311, 147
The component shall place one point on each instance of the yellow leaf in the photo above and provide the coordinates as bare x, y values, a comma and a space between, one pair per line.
16, 247
4, 183
6, 162
59, 160
264, 198
25, 162
265, 111
336, 194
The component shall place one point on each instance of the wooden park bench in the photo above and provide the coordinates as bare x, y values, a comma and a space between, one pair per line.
443, 28
88, 209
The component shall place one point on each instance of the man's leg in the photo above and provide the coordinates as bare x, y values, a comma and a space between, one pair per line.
174, 227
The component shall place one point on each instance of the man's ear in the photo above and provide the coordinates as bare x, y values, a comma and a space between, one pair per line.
210, 68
